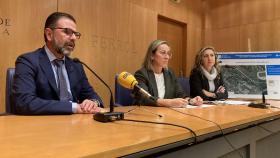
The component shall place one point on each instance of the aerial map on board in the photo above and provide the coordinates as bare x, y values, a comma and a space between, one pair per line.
249, 74
245, 79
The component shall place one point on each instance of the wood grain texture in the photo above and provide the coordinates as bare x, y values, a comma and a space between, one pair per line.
23, 32
229, 25
173, 32
189, 12
194, 36
115, 33
79, 135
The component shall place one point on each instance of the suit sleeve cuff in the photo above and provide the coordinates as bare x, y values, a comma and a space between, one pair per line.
74, 107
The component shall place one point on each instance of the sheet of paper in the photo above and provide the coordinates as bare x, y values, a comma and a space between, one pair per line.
200, 106
233, 102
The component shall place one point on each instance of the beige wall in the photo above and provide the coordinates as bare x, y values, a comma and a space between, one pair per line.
242, 25
115, 33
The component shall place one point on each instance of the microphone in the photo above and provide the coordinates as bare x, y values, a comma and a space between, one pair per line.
128, 81
262, 105
253, 104
107, 116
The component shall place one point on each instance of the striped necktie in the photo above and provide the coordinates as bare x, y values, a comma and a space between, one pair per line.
61, 81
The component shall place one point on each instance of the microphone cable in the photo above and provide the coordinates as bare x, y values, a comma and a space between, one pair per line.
273, 107
164, 123
142, 108
220, 128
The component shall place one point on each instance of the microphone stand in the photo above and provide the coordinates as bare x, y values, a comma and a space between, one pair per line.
107, 116
262, 105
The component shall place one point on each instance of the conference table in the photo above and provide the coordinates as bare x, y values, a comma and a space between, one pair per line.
245, 132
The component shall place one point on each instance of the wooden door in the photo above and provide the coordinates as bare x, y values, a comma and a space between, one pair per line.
174, 33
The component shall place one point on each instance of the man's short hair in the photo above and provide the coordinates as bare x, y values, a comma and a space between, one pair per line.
54, 17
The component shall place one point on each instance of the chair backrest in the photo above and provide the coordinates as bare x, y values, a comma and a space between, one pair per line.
184, 81
122, 95
10, 107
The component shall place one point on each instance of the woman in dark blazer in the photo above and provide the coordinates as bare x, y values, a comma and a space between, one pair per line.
157, 79
206, 80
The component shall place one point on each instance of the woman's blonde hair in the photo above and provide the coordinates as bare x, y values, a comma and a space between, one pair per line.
150, 52
199, 57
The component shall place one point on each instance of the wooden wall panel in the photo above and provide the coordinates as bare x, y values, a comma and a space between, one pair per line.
115, 33
236, 25
22, 33
189, 12
121, 32
195, 12
195, 25
226, 39
248, 38
237, 12
222, 13
156, 5
193, 45
208, 38
254, 11
277, 9
173, 32
257, 36
166, 8
175, 11
143, 32
266, 34
276, 34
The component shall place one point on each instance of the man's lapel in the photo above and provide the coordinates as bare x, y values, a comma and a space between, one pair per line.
47, 68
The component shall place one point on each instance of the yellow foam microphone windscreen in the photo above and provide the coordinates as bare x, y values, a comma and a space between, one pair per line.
127, 80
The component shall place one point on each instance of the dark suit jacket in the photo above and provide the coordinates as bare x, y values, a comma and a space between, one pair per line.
35, 89
146, 80
198, 82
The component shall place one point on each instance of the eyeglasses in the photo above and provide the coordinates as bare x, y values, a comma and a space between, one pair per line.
69, 32
164, 53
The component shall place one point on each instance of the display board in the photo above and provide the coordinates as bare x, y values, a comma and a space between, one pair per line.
249, 74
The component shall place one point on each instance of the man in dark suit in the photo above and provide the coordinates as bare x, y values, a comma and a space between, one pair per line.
47, 81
